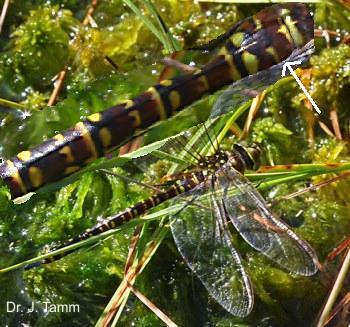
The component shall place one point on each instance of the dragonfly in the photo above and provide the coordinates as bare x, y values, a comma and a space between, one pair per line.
250, 53
213, 195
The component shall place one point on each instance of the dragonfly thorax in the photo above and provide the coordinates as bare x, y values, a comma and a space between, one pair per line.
242, 158
214, 162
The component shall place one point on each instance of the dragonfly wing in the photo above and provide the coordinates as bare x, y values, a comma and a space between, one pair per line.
240, 91
259, 227
207, 248
183, 149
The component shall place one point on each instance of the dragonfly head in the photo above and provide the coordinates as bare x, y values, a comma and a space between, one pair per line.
250, 154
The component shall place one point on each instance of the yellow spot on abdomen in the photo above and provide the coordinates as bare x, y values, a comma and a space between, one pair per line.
175, 100
272, 51
156, 97
235, 75
67, 152
105, 137
128, 103
95, 117
24, 155
284, 12
59, 137
284, 30
294, 32
35, 176
251, 62
14, 174
258, 24
237, 39
137, 119
204, 81
88, 140
166, 82
71, 169
222, 51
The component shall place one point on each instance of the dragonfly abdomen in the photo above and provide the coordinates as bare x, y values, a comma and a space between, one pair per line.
134, 211
102, 132
142, 207
253, 45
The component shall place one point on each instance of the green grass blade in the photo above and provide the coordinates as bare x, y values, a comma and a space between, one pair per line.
148, 23
171, 43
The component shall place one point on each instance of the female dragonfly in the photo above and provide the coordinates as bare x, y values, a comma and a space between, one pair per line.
212, 195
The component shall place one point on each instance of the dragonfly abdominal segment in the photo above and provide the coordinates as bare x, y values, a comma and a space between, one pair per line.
241, 159
250, 46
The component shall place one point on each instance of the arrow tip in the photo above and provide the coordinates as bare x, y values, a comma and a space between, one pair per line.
284, 69
288, 65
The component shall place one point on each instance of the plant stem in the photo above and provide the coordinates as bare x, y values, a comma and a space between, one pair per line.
11, 104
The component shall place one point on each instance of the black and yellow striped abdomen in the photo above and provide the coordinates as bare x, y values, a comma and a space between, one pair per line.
255, 44
134, 211
240, 159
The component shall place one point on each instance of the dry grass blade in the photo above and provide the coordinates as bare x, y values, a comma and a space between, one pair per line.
3, 13
333, 116
178, 65
339, 249
62, 75
326, 129
131, 146
58, 87
337, 287
254, 108
160, 314
120, 309
119, 298
313, 187
90, 12
327, 34
132, 249
308, 115
235, 130
344, 301
167, 70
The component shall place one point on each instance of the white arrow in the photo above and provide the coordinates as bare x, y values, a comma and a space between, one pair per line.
288, 65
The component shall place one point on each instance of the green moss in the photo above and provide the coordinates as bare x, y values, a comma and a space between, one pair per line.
39, 47
331, 80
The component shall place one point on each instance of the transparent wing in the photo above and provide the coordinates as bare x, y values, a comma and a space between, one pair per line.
259, 227
206, 246
169, 151
183, 149
239, 92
